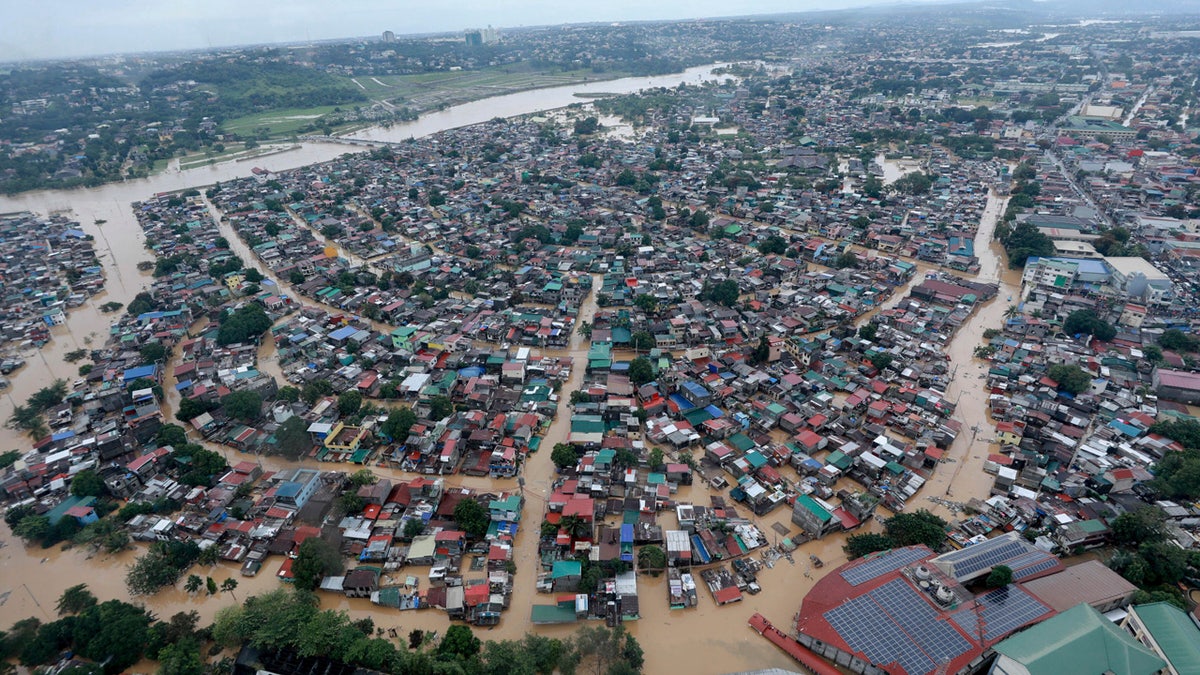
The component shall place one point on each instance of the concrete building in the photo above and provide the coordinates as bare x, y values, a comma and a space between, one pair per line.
1177, 385
1088, 127
1140, 280
1063, 274
297, 491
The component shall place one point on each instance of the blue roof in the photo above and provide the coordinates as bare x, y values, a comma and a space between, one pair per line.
714, 411
682, 402
140, 371
183, 385
343, 333
694, 388
1127, 429
289, 489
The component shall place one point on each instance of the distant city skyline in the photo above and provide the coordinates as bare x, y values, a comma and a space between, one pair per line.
53, 29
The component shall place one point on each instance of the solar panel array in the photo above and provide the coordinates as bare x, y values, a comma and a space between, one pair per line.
1003, 610
972, 559
1026, 559
1026, 572
893, 623
877, 567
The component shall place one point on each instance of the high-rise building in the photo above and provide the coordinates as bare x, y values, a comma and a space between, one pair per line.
389, 37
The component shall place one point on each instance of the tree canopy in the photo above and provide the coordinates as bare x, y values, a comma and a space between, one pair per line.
920, 527
1070, 377
292, 438
1087, 322
1001, 575
243, 325
243, 405
858, 545
564, 456
315, 560
1177, 474
398, 423
640, 370
471, 517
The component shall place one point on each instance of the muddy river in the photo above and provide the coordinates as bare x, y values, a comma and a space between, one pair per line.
706, 639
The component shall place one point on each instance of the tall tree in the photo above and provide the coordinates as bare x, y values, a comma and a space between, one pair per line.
75, 600
315, 560
292, 438
471, 517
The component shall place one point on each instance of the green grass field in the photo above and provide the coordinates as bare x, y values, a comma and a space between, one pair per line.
280, 122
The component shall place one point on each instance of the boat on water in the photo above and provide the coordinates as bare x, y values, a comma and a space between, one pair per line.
815, 560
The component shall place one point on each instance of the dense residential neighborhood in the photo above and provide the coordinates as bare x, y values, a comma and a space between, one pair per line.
904, 340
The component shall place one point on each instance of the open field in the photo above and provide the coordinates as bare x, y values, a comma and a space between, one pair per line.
280, 122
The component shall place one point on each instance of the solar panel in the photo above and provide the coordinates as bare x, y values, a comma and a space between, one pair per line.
877, 567
972, 559
893, 623
1003, 611
1026, 559
1048, 564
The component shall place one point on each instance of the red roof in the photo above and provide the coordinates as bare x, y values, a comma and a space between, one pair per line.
475, 595
727, 595
581, 507
285, 570
796, 650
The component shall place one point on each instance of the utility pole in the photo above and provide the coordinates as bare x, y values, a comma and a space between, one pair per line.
35, 601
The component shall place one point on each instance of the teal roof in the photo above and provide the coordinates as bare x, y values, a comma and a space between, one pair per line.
542, 614
816, 509
839, 459
741, 441
1176, 636
587, 424
566, 568
1080, 640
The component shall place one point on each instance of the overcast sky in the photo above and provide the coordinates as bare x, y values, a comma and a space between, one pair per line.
37, 29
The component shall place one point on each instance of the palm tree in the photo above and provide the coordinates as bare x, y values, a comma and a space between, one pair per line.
576, 527
193, 584
1011, 312
228, 586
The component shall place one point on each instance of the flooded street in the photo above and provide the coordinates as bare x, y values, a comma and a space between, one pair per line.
963, 477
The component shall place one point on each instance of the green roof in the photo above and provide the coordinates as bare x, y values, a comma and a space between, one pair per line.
839, 459
1080, 640
551, 614
741, 441
1174, 633
816, 509
587, 424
